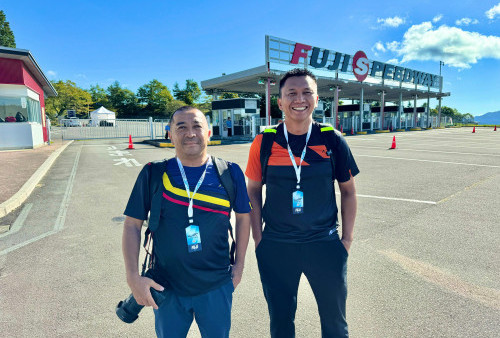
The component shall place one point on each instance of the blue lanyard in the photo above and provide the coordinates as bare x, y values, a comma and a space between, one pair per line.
299, 168
186, 185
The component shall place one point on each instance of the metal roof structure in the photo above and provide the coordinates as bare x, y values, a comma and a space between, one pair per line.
279, 57
30, 63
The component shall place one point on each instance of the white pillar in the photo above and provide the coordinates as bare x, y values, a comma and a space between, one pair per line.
382, 104
268, 102
336, 107
415, 122
399, 109
361, 110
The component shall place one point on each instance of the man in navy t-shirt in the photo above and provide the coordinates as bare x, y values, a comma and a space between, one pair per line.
191, 249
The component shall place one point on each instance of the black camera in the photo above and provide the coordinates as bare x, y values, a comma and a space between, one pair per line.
128, 310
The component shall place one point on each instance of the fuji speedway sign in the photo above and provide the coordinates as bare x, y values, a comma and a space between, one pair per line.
361, 66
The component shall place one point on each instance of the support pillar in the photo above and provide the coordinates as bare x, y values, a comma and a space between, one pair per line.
268, 102
382, 95
415, 121
439, 112
361, 110
428, 110
337, 108
400, 108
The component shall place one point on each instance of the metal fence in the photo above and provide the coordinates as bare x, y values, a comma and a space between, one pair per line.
81, 129
78, 129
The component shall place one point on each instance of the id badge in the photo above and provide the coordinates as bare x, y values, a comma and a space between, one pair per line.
298, 202
193, 238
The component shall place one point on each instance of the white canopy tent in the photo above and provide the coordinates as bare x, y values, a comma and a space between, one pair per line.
102, 114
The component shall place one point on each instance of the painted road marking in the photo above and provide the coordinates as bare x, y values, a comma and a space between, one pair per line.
487, 296
431, 161
428, 151
395, 199
61, 218
19, 222
466, 188
127, 161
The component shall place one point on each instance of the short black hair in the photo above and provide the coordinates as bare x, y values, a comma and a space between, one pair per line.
296, 72
180, 110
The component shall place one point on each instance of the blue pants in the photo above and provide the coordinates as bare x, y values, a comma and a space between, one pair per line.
211, 310
325, 266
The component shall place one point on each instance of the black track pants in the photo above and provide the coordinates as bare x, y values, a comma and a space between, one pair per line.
325, 266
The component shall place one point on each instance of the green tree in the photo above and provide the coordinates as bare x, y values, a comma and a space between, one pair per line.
6, 35
171, 107
122, 100
447, 111
70, 96
190, 94
155, 96
99, 97
229, 95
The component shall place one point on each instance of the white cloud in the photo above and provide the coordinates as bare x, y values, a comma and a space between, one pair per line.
391, 22
393, 61
466, 22
51, 74
492, 12
392, 46
437, 18
378, 47
454, 46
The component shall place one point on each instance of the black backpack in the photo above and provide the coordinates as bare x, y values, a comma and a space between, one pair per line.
330, 138
156, 192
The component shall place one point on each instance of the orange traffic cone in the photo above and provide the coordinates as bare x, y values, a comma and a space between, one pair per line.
393, 146
130, 144
474, 130
495, 128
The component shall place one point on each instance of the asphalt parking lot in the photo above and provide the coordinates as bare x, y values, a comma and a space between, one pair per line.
425, 261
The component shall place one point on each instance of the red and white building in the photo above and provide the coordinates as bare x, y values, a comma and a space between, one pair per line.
23, 90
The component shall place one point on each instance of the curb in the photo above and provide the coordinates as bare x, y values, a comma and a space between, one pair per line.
170, 145
28, 187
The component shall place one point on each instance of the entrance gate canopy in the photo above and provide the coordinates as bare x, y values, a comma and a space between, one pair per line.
332, 69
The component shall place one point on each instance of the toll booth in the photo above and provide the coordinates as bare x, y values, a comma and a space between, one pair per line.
243, 113
351, 119
390, 117
413, 119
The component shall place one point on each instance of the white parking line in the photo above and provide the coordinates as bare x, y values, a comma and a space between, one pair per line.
418, 160
428, 151
395, 199
487, 296
19, 222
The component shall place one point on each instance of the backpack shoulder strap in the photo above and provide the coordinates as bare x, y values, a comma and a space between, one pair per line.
268, 136
224, 173
155, 193
330, 138
225, 177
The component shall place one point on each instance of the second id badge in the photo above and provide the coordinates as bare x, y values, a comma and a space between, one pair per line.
298, 202
193, 238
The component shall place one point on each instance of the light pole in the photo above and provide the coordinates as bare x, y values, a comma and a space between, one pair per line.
441, 63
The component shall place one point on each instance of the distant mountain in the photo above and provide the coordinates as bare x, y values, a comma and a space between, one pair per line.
488, 118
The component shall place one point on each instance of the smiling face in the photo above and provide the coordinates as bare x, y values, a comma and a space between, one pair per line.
189, 133
299, 98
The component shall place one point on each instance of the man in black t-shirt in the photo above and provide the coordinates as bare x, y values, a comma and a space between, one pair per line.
191, 249
300, 212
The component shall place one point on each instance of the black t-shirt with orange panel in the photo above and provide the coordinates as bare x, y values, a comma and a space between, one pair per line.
318, 221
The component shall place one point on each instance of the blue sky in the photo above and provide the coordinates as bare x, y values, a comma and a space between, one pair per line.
98, 42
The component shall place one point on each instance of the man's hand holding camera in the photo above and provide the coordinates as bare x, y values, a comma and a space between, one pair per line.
140, 287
